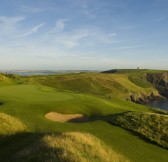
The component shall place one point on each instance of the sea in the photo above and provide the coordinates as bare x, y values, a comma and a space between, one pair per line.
162, 104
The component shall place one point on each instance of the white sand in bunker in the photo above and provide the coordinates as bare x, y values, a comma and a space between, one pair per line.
75, 118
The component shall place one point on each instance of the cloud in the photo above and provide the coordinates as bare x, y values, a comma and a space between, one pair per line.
33, 30
60, 24
85, 10
107, 38
72, 39
83, 37
8, 23
9, 20
29, 9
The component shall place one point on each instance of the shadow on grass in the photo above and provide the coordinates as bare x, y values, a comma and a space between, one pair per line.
111, 120
12, 147
106, 118
86, 119
82, 119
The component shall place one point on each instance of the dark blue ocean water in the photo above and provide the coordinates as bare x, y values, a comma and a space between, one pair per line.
162, 104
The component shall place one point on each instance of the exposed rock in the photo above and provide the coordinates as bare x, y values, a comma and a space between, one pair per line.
159, 81
144, 98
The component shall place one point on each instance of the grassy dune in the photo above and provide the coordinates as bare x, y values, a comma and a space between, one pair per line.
10, 125
150, 125
4, 79
68, 147
71, 147
8, 79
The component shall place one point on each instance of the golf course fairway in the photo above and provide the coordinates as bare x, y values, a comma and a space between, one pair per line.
30, 103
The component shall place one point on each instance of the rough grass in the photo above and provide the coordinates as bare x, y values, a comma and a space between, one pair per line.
68, 147
10, 125
4, 79
159, 111
108, 85
152, 126
140, 81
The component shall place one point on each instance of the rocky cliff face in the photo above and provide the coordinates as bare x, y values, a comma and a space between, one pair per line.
143, 98
159, 81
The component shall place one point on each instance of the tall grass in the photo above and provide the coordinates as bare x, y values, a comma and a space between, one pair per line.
10, 125
69, 147
152, 126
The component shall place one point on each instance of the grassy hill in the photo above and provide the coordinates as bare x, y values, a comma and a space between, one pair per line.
8, 79
63, 147
152, 126
101, 97
10, 125
123, 71
68, 147
126, 86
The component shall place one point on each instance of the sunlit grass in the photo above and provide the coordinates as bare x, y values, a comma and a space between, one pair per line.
69, 147
152, 126
10, 125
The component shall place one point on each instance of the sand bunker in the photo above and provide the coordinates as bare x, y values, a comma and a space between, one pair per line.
75, 118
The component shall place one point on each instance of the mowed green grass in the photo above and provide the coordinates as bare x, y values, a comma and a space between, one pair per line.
29, 103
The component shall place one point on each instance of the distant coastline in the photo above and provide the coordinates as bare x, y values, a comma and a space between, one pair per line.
42, 72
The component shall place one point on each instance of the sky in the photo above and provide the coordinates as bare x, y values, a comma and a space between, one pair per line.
83, 34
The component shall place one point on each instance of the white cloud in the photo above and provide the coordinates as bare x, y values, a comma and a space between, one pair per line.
107, 38
72, 39
8, 23
128, 47
33, 30
85, 11
60, 24
77, 37
29, 9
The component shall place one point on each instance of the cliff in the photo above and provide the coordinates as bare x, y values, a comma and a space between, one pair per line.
159, 81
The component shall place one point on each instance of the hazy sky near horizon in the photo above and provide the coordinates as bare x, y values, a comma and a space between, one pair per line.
83, 34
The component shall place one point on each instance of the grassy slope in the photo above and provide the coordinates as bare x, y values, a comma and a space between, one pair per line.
9, 128
109, 85
30, 103
56, 147
10, 125
68, 147
4, 80
10, 79
24, 100
150, 125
